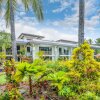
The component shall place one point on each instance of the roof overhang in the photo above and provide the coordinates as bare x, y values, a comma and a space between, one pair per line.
53, 43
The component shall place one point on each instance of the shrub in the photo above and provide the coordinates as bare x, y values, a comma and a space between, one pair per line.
75, 79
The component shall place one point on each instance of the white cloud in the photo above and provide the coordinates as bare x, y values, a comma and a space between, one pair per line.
50, 33
66, 28
63, 5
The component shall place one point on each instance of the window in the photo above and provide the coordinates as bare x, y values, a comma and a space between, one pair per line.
28, 49
60, 51
18, 49
46, 50
66, 52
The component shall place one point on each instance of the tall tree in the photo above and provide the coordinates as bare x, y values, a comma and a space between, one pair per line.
81, 22
10, 7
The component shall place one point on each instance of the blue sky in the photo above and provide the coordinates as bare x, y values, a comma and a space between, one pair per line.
60, 20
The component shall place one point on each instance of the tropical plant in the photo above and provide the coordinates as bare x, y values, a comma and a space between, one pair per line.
75, 79
10, 7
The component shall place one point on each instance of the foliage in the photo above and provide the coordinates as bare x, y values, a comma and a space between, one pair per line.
2, 78
97, 43
75, 79
4, 96
5, 39
11, 95
9, 69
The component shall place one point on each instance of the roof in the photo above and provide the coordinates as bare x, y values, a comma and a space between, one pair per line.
53, 43
30, 35
66, 41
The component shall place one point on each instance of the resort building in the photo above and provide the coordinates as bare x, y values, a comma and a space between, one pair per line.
30, 45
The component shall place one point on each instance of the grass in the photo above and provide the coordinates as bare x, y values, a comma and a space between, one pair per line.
2, 78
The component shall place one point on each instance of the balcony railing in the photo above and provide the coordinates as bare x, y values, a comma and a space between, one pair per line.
47, 52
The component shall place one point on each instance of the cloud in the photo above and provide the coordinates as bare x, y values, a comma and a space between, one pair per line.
65, 28
63, 5
50, 33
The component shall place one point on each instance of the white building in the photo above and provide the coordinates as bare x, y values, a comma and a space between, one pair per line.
52, 49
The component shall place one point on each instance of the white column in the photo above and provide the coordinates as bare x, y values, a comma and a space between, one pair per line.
56, 52
70, 52
35, 51
53, 52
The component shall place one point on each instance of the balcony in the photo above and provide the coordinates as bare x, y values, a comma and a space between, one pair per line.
47, 52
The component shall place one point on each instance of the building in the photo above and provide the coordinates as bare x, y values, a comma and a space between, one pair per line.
30, 45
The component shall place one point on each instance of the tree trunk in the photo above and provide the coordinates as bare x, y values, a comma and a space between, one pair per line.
12, 25
81, 22
30, 85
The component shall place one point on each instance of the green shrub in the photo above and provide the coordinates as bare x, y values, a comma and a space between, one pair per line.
75, 79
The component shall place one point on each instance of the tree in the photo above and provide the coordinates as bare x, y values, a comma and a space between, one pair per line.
5, 40
97, 43
81, 22
90, 41
10, 7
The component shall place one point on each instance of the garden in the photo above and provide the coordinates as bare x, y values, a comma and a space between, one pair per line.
74, 79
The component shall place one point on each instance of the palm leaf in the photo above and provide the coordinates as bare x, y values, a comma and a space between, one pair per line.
7, 12
1, 3
26, 4
37, 8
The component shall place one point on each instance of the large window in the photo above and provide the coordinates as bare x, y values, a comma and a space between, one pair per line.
46, 50
66, 52
63, 51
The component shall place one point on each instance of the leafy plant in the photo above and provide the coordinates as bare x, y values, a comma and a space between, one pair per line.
75, 79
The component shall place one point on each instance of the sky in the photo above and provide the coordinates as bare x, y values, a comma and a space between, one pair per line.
60, 20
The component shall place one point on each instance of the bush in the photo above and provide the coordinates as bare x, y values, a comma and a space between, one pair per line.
75, 79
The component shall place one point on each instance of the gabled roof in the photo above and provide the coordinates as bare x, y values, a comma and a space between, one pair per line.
30, 35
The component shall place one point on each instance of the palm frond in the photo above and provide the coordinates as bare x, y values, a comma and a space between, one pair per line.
26, 4
1, 3
37, 8
7, 12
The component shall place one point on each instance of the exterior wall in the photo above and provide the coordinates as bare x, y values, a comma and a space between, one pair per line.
54, 54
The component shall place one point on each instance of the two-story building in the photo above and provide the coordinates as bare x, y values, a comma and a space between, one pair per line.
31, 44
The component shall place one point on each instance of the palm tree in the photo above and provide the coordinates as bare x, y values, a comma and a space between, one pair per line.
10, 7
81, 22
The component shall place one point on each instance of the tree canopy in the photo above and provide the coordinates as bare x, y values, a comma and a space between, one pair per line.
5, 39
